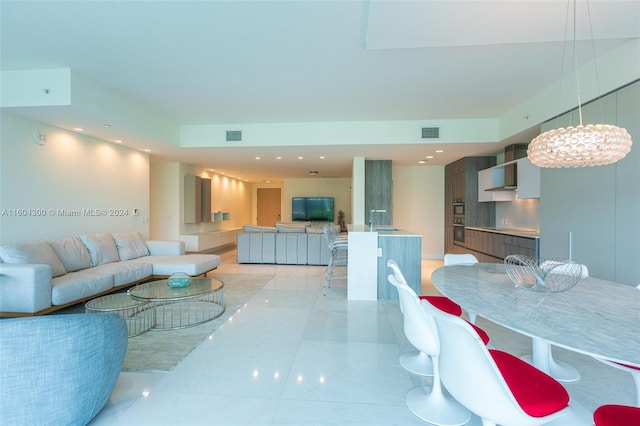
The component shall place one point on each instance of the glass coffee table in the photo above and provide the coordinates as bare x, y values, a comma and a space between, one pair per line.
180, 307
138, 314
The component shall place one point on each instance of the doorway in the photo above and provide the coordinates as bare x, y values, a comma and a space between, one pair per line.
268, 205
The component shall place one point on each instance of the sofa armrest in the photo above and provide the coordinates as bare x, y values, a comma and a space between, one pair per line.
24, 288
166, 248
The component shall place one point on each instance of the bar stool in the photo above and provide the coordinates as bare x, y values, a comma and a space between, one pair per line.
338, 246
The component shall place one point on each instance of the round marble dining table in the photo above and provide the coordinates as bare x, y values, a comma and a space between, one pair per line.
596, 317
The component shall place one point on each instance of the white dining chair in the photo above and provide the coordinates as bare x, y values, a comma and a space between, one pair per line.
495, 385
430, 405
418, 362
616, 415
462, 259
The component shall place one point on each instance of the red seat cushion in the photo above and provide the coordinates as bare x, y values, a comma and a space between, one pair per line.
483, 334
537, 393
447, 305
628, 366
444, 304
616, 415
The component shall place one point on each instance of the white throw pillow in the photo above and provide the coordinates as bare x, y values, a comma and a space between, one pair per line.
256, 228
130, 245
282, 227
73, 254
33, 252
101, 247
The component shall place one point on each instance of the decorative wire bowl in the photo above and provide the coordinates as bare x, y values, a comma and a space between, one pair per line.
543, 275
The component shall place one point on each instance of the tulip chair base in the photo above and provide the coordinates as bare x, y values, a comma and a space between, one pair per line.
417, 363
436, 408
542, 358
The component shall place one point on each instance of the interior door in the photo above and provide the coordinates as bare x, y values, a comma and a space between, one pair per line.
268, 205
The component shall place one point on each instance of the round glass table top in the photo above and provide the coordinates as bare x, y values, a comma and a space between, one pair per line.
160, 290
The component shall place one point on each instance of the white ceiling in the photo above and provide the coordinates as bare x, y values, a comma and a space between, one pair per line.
235, 62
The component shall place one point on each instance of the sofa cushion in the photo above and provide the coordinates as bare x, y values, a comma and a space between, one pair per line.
255, 228
72, 253
192, 264
125, 272
38, 252
101, 247
314, 230
79, 285
130, 245
291, 227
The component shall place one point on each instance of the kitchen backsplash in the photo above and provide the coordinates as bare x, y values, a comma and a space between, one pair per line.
520, 214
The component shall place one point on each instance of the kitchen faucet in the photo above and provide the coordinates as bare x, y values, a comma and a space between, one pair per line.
371, 217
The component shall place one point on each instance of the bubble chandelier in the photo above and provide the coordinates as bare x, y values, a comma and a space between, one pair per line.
580, 146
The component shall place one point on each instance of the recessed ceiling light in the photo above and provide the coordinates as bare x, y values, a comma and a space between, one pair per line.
313, 172
439, 151
257, 158
278, 158
429, 157
106, 125
322, 157
118, 141
147, 150
300, 158
78, 129
421, 162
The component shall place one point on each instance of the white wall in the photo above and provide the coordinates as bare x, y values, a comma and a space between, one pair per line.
418, 205
167, 195
340, 189
71, 173
164, 196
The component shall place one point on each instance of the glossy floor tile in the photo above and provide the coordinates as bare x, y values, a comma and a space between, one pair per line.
293, 356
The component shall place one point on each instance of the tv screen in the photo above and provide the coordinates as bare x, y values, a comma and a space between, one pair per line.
312, 209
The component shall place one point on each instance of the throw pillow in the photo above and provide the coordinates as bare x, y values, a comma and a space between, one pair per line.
101, 247
73, 254
255, 228
130, 245
33, 252
281, 227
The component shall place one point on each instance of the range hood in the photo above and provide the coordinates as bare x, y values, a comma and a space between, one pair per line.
503, 188
510, 168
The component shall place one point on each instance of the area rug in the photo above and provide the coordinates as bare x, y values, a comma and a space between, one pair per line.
160, 351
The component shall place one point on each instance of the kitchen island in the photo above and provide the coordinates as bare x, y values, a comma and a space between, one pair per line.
369, 251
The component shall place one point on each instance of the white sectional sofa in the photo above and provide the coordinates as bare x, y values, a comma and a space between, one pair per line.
283, 244
38, 277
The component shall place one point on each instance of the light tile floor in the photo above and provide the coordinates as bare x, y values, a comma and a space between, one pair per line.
292, 356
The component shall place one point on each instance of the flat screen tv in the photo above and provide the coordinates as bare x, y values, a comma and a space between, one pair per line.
312, 209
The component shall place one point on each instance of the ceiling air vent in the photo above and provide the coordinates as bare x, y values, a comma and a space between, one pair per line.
234, 135
430, 132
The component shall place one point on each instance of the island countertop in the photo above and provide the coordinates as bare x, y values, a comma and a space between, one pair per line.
382, 230
526, 233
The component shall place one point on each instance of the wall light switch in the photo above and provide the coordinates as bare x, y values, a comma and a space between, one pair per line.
379, 251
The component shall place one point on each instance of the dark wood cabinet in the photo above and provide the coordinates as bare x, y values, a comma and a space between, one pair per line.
378, 191
490, 246
461, 184
511, 153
